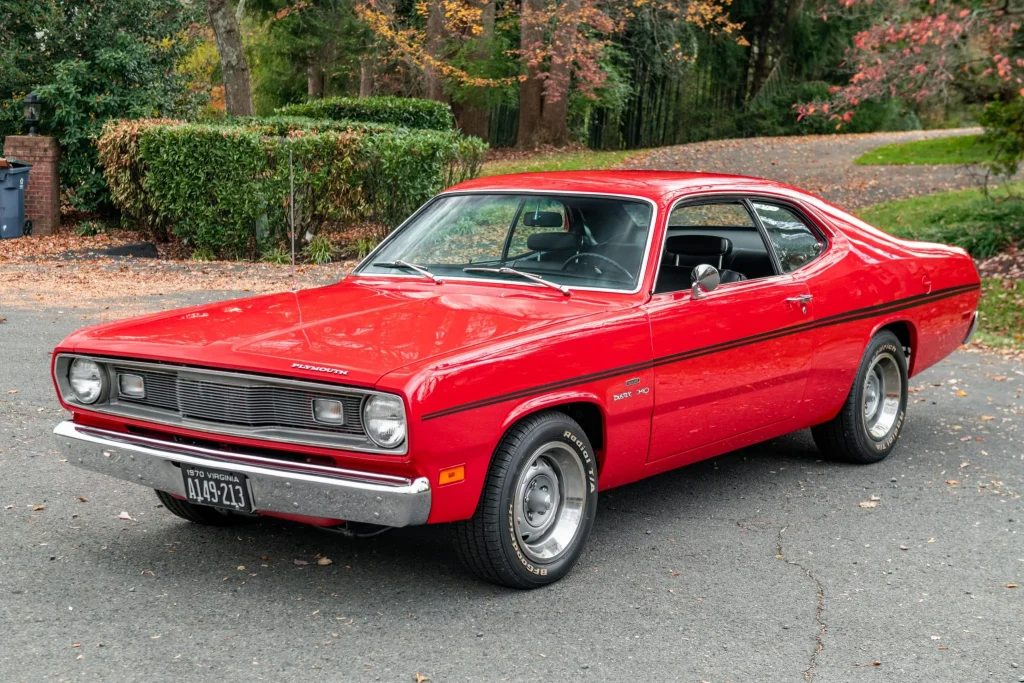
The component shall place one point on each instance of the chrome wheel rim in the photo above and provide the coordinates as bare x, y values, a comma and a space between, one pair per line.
548, 502
883, 394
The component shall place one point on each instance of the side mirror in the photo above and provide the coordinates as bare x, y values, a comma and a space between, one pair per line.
705, 279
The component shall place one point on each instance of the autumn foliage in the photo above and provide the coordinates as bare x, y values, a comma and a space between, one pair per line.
927, 52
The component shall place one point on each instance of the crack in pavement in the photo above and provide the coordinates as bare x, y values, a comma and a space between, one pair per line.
819, 637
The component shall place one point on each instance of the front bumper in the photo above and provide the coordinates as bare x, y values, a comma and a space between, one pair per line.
316, 491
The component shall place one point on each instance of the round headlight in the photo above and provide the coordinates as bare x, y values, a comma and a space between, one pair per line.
86, 379
384, 420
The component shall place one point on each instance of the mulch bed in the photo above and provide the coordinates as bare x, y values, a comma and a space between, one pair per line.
1009, 264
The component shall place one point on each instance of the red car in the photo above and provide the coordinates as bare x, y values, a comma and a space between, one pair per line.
517, 345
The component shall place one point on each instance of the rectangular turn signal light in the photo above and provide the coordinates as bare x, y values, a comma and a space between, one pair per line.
451, 475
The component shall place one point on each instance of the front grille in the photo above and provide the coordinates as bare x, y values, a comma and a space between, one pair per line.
242, 405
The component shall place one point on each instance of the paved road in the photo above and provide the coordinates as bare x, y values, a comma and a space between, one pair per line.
821, 164
754, 566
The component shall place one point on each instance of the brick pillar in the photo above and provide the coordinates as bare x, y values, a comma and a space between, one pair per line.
42, 196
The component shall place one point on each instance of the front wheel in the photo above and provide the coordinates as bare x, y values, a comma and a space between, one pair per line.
537, 507
868, 426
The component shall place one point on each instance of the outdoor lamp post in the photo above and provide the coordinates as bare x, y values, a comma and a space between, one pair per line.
32, 104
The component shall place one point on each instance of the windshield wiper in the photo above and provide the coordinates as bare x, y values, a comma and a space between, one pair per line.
411, 266
512, 271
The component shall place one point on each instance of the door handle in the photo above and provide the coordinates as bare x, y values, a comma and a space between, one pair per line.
803, 299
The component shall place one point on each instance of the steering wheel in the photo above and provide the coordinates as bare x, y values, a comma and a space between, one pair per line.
602, 257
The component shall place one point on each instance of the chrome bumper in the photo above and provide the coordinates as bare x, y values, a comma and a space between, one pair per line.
317, 491
973, 328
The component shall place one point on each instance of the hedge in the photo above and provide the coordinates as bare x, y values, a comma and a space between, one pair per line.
223, 190
400, 111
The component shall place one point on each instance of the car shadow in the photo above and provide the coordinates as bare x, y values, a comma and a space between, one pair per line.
417, 564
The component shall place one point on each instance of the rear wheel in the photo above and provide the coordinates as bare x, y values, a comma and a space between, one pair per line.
202, 514
868, 426
537, 507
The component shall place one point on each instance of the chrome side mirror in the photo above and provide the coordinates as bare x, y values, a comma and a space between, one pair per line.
705, 279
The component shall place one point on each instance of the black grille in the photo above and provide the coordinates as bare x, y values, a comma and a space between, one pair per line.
246, 406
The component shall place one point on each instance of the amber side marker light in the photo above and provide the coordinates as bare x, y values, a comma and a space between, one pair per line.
451, 475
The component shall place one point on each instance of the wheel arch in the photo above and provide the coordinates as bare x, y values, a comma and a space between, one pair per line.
906, 333
583, 407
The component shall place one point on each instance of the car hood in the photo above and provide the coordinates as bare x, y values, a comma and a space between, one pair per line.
353, 332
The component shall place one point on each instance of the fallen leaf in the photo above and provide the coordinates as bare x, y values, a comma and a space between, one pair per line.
241, 567
868, 504
300, 563
13, 391
83, 499
323, 561
1012, 585
952, 482
420, 678
76, 645
961, 393
37, 508
125, 515
986, 418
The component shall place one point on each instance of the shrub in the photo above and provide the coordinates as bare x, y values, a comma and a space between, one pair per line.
319, 250
224, 189
400, 111
90, 62
1004, 133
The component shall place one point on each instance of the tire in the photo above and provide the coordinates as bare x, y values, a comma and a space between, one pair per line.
526, 532
867, 428
202, 514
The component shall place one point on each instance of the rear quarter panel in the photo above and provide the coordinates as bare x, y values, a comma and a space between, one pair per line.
870, 280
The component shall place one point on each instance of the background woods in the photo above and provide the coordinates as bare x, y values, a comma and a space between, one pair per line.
525, 74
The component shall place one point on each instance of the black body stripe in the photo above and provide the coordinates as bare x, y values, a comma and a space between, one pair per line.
839, 319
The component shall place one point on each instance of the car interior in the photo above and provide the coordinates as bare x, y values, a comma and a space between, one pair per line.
720, 238
587, 237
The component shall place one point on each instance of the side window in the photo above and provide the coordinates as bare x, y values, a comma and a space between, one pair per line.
721, 234
538, 215
710, 215
795, 243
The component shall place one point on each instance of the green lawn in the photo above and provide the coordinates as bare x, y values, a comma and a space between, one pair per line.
560, 161
981, 225
1002, 313
963, 149
967, 218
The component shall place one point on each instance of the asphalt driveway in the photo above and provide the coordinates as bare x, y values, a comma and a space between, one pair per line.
820, 164
759, 565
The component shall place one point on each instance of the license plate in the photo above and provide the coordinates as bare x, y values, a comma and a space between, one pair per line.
219, 488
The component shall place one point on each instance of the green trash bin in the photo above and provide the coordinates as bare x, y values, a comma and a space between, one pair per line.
13, 182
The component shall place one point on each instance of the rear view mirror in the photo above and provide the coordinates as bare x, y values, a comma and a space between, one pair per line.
542, 219
705, 279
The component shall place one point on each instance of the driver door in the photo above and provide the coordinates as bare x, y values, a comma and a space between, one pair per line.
727, 364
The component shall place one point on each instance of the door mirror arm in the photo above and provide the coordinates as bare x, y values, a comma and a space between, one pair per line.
705, 279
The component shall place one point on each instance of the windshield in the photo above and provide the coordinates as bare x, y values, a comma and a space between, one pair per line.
577, 241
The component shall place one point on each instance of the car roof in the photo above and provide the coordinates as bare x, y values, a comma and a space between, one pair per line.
654, 185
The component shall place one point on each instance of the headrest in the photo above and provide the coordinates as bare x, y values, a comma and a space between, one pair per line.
698, 245
542, 219
552, 241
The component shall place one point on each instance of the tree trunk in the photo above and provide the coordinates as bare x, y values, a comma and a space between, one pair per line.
555, 104
314, 77
530, 89
761, 60
366, 74
473, 116
434, 85
234, 68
